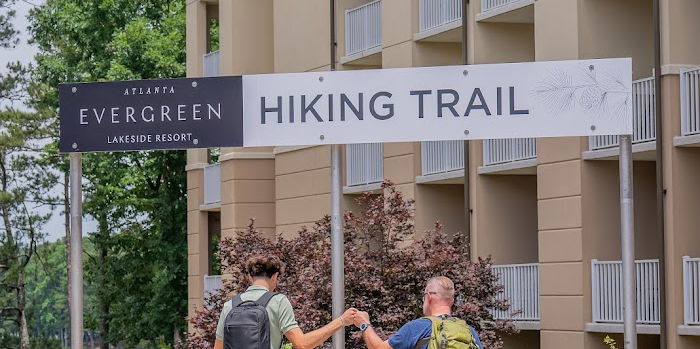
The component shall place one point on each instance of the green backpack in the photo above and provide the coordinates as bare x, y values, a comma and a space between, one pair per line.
448, 333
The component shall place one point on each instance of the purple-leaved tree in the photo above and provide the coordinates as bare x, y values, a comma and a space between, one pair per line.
386, 267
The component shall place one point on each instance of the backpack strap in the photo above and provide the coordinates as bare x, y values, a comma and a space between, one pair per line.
265, 298
236, 301
422, 342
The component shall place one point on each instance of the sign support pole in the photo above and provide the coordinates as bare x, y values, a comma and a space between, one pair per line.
337, 246
627, 238
337, 236
467, 181
76, 251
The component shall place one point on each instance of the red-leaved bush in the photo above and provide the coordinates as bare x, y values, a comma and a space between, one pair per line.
386, 268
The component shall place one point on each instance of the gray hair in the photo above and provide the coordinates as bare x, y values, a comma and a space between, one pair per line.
443, 286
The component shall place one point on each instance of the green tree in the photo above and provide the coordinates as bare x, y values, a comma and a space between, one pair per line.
138, 199
22, 182
47, 302
22, 222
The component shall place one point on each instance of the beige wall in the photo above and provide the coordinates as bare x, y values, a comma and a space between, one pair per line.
679, 21
301, 35
503, 43
197, 265
621, 28
246, 36
506, 207
302, 180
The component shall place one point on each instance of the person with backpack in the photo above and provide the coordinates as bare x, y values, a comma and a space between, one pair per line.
437, 330
259, 317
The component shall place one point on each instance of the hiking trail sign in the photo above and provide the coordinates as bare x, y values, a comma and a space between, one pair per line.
538, 99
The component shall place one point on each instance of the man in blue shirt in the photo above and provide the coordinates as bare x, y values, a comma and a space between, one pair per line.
438, 298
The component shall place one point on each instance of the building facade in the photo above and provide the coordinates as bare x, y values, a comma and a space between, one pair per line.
546, 210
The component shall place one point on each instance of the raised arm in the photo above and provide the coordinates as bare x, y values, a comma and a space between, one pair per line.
311, 340
371, 338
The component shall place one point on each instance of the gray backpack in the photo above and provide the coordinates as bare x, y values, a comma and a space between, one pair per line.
247, 325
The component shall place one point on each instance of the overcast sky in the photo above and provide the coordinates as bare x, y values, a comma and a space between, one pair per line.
24, 52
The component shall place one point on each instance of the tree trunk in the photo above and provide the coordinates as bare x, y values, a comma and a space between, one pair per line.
176, 336
21, 304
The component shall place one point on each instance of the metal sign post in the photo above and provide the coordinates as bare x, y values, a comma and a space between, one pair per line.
627, 237
76, 251
337, 236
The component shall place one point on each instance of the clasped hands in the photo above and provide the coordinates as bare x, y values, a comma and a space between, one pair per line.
355, 317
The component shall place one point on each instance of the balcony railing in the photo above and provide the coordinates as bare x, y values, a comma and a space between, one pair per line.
211, 64
521, 289
212, 184
691, 290
607, 291
690, 101
499, 151
643, 117
363, 28
434, 13
365, 163
441, 156
212, 283
488, 5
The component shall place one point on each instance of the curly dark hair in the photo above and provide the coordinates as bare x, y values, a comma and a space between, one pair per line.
264, 266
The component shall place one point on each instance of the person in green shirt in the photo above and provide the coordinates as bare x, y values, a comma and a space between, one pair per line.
263, 274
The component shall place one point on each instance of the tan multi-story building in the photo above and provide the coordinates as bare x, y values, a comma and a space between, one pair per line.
546, 210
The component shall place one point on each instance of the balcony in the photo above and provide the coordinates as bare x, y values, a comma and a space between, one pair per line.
363, 35
521, 289
442, 162
607, 300
439, 21
691, 292
644, 127
212, 187
690, 108
364, 165
211, 64
509, 156
507, 11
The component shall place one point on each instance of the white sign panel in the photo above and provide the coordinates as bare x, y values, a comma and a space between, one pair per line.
538, 99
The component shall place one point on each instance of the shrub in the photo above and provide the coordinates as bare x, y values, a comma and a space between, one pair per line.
386, 267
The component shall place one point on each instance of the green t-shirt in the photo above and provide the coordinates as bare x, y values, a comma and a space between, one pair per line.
279, 310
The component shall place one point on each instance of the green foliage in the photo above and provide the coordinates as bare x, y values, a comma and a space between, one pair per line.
8, 34
612, 344
47, 302
139, 262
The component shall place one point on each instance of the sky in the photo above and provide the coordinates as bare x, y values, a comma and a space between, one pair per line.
24, 52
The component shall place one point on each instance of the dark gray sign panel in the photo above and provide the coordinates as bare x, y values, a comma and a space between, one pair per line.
151, 114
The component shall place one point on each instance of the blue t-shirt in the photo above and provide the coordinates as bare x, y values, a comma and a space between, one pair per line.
410, 333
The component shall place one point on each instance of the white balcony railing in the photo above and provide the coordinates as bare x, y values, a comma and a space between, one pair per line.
691, 290
212, 184
643, 117
488, 5
364, 163
607, 291
434, 13
521, 289
499, 151
441, 156
211, 64
690, 101
212, 283
363, 28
